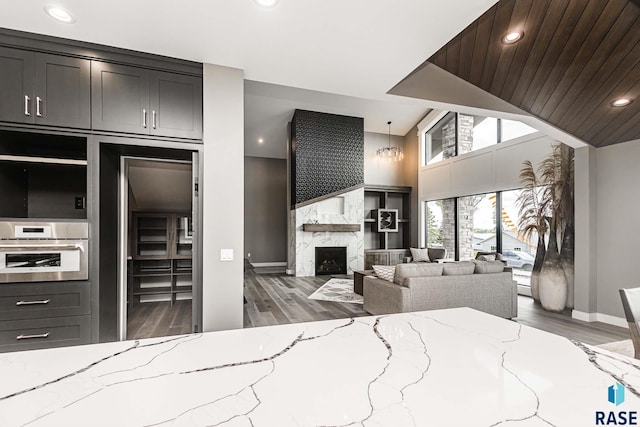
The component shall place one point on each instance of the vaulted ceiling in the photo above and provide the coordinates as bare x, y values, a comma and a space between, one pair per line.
575, 58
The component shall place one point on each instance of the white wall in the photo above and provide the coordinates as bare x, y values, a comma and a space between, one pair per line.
494, 168
222, 191
379, 172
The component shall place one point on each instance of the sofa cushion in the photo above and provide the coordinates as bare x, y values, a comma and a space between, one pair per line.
487, 257
419, 255
484, 267
385, 272
404, 271
458, 268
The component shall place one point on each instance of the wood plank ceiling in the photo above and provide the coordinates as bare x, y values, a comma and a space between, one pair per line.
575, 58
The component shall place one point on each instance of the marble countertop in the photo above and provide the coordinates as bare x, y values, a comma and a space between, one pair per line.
455, 367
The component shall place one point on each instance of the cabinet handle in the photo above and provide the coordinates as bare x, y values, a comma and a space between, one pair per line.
144, 117
44, 301
38, 103
26, 105
153, 118
28, 337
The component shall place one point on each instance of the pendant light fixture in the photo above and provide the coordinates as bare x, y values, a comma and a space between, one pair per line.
389, 152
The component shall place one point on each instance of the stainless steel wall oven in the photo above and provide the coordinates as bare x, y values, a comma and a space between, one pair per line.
43, 251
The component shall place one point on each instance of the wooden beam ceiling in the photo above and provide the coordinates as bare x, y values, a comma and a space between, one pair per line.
575, 58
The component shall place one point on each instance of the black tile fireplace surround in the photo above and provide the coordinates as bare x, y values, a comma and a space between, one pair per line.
331, 260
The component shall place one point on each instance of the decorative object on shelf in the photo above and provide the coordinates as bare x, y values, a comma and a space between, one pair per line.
389, 152
387, 220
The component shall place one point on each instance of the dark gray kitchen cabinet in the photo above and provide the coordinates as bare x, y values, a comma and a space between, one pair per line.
16, 85
62, 91
137, 100
176, 105
120, 100
43, 89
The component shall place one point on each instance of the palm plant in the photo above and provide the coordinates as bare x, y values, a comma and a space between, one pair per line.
546, 205
557, 172
533, 219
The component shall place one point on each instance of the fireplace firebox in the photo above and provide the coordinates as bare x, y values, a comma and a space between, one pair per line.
331, 260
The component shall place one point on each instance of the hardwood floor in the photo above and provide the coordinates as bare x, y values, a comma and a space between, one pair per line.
275, 299
158, 319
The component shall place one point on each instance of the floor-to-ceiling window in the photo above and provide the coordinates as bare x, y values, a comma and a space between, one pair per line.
440, 225
518, 251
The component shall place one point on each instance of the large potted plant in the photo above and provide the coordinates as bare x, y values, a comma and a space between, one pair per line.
533, 220
546, 205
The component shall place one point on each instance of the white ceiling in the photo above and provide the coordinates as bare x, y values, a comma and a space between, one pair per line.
359, 49
268, 108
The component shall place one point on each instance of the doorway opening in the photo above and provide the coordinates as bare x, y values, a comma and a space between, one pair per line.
159, 268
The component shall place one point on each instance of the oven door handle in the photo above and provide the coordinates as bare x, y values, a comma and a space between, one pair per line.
70, 247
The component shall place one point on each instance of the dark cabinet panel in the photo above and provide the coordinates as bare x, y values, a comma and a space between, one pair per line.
16, 85
176, 105
44, 89
120, 98
62, 91
33, 334
136, 100
48, 299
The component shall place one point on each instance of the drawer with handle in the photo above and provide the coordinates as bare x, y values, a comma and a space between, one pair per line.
49, 299
44, 333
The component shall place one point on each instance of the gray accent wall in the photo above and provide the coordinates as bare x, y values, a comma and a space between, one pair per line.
222, 191
618, 232
411, 166
265, 200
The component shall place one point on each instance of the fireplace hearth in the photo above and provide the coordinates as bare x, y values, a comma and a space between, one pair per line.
331, 260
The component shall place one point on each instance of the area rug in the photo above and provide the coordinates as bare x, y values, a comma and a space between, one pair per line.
624, 347
337, 290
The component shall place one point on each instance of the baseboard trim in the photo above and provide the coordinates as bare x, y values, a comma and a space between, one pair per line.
599, 317
269, 264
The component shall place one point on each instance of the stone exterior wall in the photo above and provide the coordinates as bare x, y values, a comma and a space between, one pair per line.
466, 209
449, 227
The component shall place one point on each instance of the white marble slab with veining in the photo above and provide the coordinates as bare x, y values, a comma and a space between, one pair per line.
456, 367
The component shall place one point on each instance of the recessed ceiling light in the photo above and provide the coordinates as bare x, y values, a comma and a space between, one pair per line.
512, 37
266, 3
260, 141
59, 14
621, 102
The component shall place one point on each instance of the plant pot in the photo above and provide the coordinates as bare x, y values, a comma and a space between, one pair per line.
552, 285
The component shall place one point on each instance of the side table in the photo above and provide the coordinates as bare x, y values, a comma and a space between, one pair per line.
358, 277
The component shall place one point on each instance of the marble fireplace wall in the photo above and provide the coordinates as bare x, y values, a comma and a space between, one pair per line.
348, 208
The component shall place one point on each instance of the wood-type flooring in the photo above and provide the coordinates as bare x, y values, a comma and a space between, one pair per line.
158, 319
274, 298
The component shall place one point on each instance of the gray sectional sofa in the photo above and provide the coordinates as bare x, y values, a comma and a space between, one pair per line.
483, 285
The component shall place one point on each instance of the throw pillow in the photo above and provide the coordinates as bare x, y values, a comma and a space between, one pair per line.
420, 255
485, 267
457, 268
487, 257
385, 272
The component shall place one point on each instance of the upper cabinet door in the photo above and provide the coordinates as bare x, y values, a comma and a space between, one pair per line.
176, 105
62, 91
120, 98
16, 86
